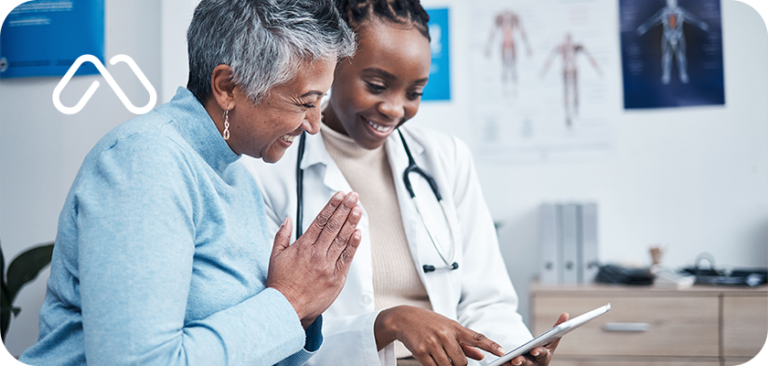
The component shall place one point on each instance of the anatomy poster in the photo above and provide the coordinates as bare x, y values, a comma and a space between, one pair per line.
672, 53
545, 78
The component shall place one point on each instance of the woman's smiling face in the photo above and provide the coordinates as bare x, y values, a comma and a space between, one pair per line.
265, 130
379, 88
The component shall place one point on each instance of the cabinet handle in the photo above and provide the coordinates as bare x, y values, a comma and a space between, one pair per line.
625, 327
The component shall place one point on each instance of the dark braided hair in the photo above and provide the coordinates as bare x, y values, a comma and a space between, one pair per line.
355, 12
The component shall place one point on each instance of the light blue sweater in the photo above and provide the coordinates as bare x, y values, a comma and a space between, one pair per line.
162, 253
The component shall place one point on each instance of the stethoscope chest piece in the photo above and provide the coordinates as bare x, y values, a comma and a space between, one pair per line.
430, 268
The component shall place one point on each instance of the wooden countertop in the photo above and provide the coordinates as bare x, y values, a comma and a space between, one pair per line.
618, 290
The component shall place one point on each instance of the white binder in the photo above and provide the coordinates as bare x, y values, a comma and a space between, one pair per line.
589, 260
549, 243
569, 249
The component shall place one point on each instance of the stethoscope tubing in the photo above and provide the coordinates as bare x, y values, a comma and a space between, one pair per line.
300, 186
450, 264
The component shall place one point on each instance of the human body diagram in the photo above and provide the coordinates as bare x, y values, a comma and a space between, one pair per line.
506, 22
672, 17
568, 50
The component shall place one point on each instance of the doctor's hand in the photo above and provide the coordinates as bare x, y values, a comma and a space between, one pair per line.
432, 338
539, 356
311, 272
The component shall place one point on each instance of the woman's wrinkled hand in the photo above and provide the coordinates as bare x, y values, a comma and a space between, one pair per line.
311, 272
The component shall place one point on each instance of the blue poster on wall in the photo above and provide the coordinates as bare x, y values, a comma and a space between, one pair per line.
672, 53
44, 37
439, 85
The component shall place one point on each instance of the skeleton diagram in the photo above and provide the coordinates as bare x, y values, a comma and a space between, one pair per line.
506, 22
569, 50
672, 18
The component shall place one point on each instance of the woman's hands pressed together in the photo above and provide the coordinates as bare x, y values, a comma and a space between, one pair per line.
432, 338
311, 272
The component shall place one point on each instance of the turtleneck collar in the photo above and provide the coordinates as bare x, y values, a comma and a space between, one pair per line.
345, 145
198, 129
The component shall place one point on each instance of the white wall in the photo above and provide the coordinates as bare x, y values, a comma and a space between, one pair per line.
175, 18
42, 149
691, 179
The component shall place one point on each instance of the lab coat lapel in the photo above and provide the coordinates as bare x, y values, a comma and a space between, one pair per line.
437, 284
357, 295
398, 161
315, 153
319, 167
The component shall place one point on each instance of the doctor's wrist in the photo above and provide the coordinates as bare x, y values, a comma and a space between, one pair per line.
384, 327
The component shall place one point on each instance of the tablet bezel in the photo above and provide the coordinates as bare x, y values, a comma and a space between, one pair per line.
552, 334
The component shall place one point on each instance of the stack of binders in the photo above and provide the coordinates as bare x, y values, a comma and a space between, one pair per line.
568, 243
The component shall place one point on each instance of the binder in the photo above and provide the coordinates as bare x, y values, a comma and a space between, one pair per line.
569, 249
549, 243
589, 260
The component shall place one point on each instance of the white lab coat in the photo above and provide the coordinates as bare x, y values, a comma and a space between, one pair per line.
479, 294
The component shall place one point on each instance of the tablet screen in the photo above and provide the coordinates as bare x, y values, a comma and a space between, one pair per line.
552, 335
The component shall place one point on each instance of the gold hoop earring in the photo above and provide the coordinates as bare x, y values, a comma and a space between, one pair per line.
225, 134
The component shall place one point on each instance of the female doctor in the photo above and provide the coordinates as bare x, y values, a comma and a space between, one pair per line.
428, 277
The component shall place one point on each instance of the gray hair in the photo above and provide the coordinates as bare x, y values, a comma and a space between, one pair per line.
265, 42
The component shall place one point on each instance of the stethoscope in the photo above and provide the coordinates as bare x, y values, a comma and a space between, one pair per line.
449, 263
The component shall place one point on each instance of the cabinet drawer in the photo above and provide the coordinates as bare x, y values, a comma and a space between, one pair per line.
745, 325
676, 326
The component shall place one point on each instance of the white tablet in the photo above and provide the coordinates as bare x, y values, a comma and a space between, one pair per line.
552, 335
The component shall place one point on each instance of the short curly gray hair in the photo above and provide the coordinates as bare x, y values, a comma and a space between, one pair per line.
265, 42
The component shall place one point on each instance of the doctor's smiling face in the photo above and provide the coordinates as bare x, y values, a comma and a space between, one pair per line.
380, 87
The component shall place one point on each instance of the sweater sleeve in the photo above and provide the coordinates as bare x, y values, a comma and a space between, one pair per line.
135, 221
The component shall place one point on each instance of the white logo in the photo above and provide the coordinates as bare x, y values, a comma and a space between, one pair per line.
110, 80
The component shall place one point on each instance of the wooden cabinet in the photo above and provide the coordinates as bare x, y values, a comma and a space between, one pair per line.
702, 326
734, 361
744, 325
559, 362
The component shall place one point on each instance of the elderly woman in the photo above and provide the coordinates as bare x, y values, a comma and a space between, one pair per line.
162, 255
